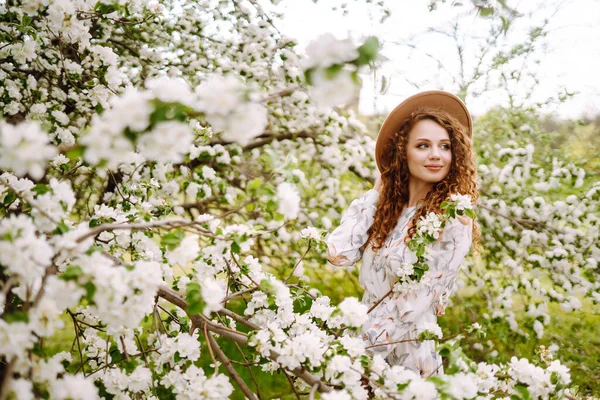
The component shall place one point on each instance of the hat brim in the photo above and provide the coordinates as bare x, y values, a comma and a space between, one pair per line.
433, 100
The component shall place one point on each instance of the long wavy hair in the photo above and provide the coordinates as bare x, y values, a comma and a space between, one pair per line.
393, 199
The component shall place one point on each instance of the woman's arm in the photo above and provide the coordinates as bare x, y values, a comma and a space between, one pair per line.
344, 243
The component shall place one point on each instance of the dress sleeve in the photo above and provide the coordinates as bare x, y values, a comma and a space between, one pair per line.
400, 316
344, 243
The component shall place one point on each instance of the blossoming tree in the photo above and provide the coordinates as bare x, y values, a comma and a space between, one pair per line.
167, 170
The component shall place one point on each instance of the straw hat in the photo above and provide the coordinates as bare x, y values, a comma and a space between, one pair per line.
432, 100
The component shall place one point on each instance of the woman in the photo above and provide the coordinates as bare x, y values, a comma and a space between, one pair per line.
424, 154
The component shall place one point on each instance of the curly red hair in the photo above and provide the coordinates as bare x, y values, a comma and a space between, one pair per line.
393, 199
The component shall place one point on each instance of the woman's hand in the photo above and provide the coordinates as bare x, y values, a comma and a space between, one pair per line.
378, 184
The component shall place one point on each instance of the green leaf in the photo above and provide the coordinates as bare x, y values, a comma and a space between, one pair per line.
192, 287
486, 11
41, 188
105, 8
195, 307
436, 380
194, 298
254, 185
9, 198
420, 251
505, 24
61, 228
90, 290
523, 391
75, 153
172, 239
308, 75
385, 84
235, 247
131, 365
131, 134
332, 71
368, 51
266, 286
16, 316
73, 272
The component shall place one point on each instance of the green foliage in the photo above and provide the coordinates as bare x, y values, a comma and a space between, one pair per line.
574, 333
194, 298
172, 239
368, 51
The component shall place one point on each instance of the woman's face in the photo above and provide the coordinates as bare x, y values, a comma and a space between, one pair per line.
428, 152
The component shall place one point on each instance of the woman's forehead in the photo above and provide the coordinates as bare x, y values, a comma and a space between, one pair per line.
428, 130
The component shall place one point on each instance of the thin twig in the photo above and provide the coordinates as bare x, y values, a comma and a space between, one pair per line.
299, 261
238, 294
174, 223
210, 347
227, 364
77, 330
380, 300
291, 384
5, 387
313, 391
124, 348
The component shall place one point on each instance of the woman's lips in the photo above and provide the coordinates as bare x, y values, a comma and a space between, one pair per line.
433, 167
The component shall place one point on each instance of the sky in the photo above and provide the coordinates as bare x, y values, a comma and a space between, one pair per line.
567, 58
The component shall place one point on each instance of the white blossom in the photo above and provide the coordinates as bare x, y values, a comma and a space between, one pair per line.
310, 233
326, 50
25, 149
213, 294
431, 327
463, 202
167, 142
327, 93
73, 387
289, 200
354, 313
186, 252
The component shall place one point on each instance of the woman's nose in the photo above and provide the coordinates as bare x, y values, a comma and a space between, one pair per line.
434, 153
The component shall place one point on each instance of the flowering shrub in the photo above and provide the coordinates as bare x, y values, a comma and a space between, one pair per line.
168, 171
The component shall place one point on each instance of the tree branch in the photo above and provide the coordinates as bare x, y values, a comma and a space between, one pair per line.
171, 223
227, 364
238, 337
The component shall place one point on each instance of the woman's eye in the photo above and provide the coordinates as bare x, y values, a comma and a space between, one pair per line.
446, 146
422, 146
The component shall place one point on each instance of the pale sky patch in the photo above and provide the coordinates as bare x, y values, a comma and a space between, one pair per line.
571, 59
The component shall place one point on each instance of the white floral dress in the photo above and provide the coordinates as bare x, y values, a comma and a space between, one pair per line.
401, 316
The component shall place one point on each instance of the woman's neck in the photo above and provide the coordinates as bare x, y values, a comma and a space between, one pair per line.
417, 190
